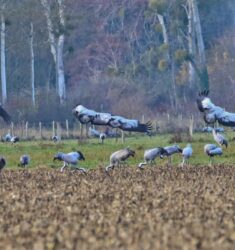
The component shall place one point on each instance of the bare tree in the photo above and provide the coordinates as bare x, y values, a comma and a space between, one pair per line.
3, 56
204, 80
32, 63
57, 44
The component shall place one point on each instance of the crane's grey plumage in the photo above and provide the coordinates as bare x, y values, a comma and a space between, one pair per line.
212, 150
55, 138
209, 129
2, 163
102, 137
213, 113
119, 157
3, 113
24, 160
151, 154
187, 153
219, 138
71, 158
7, 137
15, 139
170, 150
85, 115
95, 133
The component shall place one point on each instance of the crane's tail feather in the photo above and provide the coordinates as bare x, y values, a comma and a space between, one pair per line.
142, 128
204, 93
6, 117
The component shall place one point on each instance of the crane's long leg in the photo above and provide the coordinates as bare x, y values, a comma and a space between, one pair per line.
62, 169
108, 167
169, 159
141, 164
210, 162
152, 162
183, 162
83, 170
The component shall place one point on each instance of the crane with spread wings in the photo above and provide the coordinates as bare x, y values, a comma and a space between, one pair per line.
85, 116
213, 113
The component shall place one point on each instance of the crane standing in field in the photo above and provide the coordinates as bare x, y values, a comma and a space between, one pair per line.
170, 150
2, 163
219, 138
70, 158
187, 153
212, 150
119, 157
95, 133
24, 160
151, 154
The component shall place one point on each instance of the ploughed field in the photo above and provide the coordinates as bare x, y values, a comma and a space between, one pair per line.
160, 207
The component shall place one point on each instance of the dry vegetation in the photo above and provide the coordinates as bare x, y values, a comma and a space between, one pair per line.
158, 208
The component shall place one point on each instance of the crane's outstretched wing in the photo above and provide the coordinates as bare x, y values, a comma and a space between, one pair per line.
213, 113
6, 117
85, 115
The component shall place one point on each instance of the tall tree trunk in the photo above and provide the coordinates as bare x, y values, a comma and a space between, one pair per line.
32, 64
60, 63
3, 59
169, 59
191, 45
56, 46
204, 83
50, 29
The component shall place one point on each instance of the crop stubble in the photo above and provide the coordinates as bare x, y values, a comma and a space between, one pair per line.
158, 208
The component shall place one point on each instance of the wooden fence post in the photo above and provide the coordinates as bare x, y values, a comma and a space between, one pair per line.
58, 130
123, 136
191, 121
81, 129
87, 129
26, 130
67, 128
40, 130
12, 129
116, 132
53, 128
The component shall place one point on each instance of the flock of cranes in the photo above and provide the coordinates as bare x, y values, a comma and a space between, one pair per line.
211, 113
119, 157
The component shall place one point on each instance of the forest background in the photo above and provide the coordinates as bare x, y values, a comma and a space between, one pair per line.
128, 57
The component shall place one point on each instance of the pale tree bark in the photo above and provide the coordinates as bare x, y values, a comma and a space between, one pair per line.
191, 44
170, 59
60, 62
204, 82
32, 64
3, 58
57, 46
51, 33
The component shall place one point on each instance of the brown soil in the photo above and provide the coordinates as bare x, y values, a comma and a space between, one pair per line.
158, 208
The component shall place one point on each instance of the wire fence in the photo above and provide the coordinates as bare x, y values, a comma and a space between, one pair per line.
166, 123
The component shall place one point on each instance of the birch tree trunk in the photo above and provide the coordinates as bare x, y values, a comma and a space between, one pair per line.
169, 58
51, 34
60, 63
200, 46
32, 64
57, 46
3, 59
191, 44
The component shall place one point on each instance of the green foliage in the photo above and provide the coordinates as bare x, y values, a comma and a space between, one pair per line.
158, 5
181, 55
162, 65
